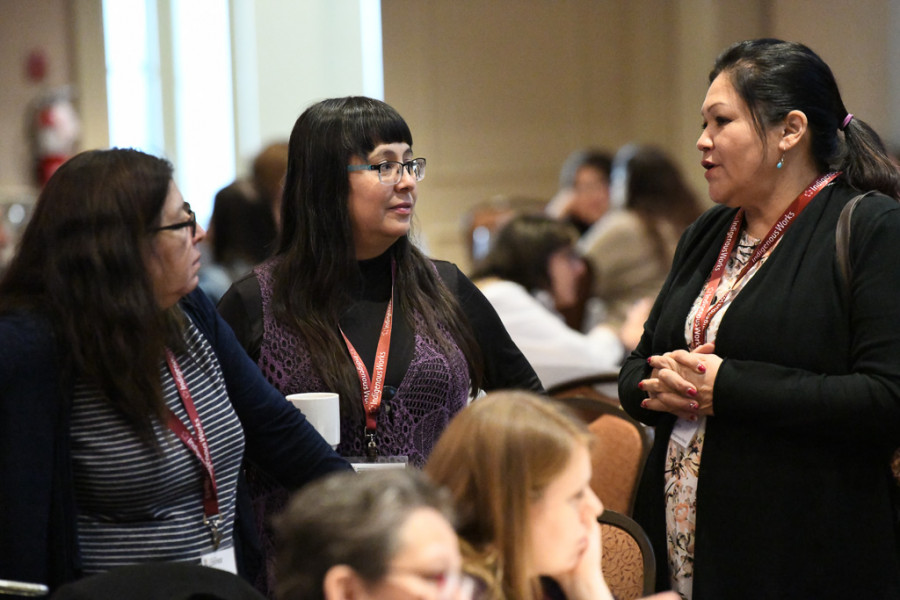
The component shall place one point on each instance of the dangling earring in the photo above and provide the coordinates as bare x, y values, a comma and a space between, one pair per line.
780, 162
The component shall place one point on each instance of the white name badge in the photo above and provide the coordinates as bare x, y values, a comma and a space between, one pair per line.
684, 431
360, 463
222, 559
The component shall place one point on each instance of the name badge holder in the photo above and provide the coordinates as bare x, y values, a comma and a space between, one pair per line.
372, 387
196, 442
379, 463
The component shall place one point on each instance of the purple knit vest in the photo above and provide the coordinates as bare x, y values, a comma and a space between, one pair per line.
434, 389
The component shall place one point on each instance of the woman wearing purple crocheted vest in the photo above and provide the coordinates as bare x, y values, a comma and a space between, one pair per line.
347, 286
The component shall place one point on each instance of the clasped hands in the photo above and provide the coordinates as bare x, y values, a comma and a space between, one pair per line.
682, 382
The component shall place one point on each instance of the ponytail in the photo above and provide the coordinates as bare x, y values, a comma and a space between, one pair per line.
865, 163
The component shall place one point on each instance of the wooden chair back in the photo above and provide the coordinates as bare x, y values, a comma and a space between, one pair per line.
601, 386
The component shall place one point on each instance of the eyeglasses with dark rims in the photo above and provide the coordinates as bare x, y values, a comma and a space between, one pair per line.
191, 222
390, 172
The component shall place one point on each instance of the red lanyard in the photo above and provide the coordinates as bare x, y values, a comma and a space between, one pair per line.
197, 444
372, 387
708, 307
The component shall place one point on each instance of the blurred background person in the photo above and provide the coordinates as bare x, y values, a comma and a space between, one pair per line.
583, 197
583, 200
5, 240
377, 535
269, 168
631, 249
529, 273
244, 222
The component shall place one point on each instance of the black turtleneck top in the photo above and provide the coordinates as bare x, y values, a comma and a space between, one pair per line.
504, 364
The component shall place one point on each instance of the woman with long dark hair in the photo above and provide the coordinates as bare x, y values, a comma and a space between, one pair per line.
349, 304
314, 316
126, 404
772, 379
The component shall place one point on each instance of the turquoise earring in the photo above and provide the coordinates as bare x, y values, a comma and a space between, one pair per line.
780, 162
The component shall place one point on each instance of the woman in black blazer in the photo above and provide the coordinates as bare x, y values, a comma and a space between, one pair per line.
773, 383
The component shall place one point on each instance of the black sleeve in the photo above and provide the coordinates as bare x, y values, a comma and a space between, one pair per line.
241, 307
505, 367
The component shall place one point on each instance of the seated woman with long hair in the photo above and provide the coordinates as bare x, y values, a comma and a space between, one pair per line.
529, 274
518, 467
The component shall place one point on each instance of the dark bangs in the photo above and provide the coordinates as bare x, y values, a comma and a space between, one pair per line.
371, 122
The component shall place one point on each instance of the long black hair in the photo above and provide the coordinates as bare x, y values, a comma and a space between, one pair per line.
317, 253
80, 263
774, 77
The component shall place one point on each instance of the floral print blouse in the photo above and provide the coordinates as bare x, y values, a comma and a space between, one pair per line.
686, 443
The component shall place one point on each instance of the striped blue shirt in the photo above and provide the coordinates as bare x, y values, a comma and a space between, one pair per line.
136, 504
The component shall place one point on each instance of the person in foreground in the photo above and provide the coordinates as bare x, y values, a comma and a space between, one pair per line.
773, 382
126, 404
381, 534
518, 467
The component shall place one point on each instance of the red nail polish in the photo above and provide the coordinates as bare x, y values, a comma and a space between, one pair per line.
643, 404
692, 418
640, 385
691, 392
694, 405
701, 368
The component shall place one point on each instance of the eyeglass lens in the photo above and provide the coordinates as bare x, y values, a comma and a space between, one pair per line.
390, 172
191, 223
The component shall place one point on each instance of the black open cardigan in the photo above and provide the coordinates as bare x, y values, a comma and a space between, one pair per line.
794, 496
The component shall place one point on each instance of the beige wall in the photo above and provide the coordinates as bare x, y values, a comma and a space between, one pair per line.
855, 39
498, 93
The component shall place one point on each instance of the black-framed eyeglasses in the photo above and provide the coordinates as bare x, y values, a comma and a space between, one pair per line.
191, 222
390, 172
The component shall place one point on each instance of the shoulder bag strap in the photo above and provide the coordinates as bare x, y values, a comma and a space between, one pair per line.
842, 239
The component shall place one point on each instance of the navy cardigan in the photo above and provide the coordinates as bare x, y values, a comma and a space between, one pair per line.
38, 537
